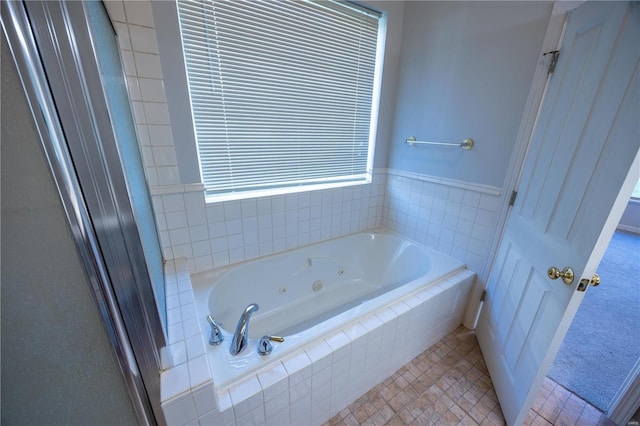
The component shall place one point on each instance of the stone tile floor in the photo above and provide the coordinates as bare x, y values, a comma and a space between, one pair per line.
448, 384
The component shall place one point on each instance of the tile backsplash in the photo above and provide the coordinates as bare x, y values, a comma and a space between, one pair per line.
455, 218
134, 25
210, 235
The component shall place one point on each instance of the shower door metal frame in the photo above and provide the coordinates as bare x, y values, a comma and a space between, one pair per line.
51, 45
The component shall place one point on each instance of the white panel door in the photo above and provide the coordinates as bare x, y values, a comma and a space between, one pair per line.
584, 143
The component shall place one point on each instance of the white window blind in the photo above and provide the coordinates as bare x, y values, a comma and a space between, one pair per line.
282, 92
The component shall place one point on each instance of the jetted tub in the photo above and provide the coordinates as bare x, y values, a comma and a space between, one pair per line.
308, 293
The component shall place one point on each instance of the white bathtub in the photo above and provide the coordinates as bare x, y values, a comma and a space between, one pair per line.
308, 294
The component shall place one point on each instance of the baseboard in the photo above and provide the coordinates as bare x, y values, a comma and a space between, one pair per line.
628, 228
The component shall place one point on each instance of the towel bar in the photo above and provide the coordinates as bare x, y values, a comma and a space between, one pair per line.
466, 144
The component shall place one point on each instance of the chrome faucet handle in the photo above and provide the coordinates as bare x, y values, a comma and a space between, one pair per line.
265, 347
216, 334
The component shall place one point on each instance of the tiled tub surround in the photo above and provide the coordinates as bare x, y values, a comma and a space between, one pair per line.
456, 218
307, 293
135, 27
312, 383
211, 235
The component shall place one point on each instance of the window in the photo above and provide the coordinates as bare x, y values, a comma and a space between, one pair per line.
636, 191
284, 93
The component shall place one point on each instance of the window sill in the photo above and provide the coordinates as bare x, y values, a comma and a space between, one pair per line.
210, 199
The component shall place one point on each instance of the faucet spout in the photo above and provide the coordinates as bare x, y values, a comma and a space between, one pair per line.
241, 335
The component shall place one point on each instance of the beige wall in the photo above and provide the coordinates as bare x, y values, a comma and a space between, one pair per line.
630, 220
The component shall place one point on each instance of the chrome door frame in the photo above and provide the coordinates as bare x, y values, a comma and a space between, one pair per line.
60, 86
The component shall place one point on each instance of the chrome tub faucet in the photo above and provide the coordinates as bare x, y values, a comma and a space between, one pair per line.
241, 335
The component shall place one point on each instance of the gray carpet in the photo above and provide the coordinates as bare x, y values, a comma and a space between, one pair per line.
603, 342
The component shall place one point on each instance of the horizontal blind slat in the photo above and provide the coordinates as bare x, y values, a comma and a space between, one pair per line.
281, 91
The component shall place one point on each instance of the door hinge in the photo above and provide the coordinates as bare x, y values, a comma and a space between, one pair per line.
551, 67
483, 295
512, 199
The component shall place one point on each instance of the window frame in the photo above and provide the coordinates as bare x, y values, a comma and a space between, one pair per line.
373, 126
636, 189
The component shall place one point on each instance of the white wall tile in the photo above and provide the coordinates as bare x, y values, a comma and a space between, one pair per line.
321, 405
138, 112
160, 135
274, 382
180, 412
134, 92
156, 113
232, 210
253, 418
175, 333
175, 220
236, 255
220, 259
194, 200
115, 8
203, 263
281, 419
152, 90
481, 232
277, 406
179, 237
143, 39
195, 346
178, 353
199, 370
320, 355
300, 412
199, 233
235, 241
246, 396
168, 175
188, 311
196, 217
139, 12
320, 379
191, 327
173, 202
301, 390
201, 248
215, 418
215, 213
147, 65
298, 367
357, 334
174, 382
124, 40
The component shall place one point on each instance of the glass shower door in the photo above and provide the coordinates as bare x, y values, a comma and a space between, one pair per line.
68, 59
115, 90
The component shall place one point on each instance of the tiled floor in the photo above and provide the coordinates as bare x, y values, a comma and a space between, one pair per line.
448, 384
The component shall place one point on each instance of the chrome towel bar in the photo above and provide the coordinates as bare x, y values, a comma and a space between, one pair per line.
466, 144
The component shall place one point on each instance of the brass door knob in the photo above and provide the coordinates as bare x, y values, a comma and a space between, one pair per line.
566, 274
